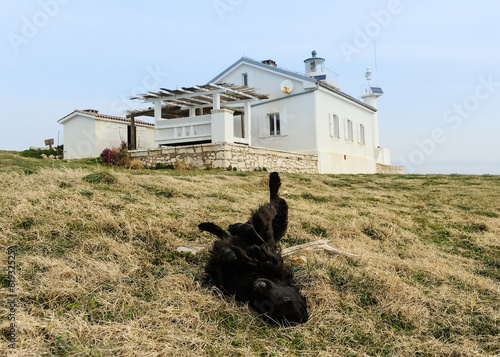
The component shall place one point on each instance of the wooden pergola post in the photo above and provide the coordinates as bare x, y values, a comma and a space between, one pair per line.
132, 145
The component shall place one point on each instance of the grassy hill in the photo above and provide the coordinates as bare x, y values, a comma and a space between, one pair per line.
98, 272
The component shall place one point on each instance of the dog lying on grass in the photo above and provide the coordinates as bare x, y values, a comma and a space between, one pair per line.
247, 263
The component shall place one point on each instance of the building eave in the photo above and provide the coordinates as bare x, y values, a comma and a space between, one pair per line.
326, 86
254, 63
287, 73
103, 117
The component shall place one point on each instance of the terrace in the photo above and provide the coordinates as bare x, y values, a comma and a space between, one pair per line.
210, 113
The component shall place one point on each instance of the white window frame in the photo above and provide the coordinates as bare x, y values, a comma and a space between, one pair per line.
350, 131
334, 126
274, 123
362, 135
265, 125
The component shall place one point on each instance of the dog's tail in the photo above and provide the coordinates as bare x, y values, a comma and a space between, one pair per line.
214, 229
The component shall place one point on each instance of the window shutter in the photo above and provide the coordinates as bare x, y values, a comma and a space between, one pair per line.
263, 131
331, 123
283, 123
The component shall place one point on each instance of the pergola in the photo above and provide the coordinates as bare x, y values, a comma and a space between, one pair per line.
187, 101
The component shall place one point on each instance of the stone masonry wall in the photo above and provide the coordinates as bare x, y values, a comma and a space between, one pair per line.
386, 169
223, 155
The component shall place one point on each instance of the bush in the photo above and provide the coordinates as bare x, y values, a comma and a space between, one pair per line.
159, 166
136, 164
122, 155
108, 156
116, 156
56, 151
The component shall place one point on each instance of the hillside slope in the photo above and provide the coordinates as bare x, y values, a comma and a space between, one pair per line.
98, 273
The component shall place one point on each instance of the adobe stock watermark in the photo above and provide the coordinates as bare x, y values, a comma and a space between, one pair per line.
11, 296
151, 81
365, 35
224, 6
453, 118
31, 25
86, 147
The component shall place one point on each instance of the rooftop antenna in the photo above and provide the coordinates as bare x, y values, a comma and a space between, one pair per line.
368, 76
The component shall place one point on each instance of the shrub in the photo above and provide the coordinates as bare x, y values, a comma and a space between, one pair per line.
116, 156
136, 164
122, 155
56, 151
180, 165
159, 166
108, 156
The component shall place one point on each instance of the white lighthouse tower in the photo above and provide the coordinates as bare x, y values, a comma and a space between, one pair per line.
315, 67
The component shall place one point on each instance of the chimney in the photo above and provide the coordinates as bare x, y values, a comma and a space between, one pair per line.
91, 111
270, 62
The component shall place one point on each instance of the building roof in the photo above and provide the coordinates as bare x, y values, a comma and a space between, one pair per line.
263, 66
95, 114
323, 83
330, 87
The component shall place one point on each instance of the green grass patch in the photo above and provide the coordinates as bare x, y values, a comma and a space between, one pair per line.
314, 198
101, 177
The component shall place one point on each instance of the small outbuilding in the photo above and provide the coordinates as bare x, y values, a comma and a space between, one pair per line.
87, 133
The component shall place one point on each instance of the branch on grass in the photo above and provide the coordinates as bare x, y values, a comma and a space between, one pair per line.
318, 245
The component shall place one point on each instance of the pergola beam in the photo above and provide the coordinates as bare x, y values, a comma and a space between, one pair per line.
215, 95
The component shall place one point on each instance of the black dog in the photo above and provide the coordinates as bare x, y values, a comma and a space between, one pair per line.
248, 264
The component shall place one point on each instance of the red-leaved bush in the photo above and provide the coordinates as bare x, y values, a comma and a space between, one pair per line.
116, 156
108, 156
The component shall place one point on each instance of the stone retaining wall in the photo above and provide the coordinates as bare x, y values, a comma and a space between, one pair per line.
386, 169
223, 155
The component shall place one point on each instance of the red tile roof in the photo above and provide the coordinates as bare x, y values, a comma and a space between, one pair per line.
111, 117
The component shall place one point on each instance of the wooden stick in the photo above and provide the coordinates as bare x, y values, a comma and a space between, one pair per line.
317, 245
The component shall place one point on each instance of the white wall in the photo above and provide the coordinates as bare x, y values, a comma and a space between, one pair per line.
359, 158
266, 82
86, 136
109, 134
307, 116
145, 137
79, 138
297, 113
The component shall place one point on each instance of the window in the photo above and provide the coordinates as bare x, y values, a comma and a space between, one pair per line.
350, 132
274, 124
362, 139
334, 126
245, 79
313, 66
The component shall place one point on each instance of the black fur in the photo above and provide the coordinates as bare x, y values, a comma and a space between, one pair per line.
246, 262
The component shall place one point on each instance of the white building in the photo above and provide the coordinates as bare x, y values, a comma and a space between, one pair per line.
299, 113
87, 133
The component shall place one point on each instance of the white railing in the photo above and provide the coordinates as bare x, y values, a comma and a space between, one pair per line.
184, 130
195, 129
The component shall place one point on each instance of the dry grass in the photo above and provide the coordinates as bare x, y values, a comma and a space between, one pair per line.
98, 272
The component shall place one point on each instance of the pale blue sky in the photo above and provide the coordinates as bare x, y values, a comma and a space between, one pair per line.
438, 64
